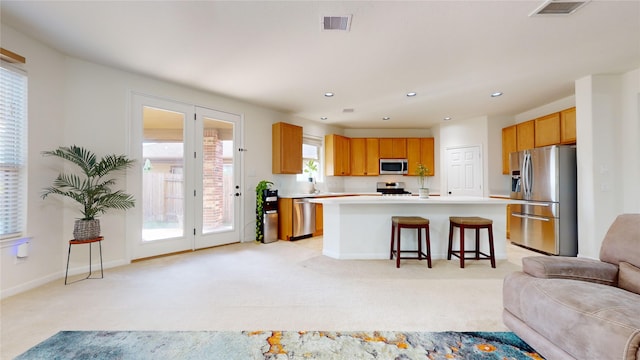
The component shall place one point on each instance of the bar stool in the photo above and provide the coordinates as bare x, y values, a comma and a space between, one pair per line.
471, 222
410, 222
90, 242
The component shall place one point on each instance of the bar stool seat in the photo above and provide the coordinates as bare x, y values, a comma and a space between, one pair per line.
409, 222
476, 223
90, 242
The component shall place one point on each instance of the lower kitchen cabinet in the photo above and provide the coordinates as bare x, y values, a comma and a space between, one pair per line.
285, 218
319, 219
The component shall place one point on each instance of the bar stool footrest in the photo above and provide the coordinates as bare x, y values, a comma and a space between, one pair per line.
484, 256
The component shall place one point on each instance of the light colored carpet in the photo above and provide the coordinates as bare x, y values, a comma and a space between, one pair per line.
282, 285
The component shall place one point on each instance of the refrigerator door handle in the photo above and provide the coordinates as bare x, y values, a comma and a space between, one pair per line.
531, 217
538, 204
529, 175
525, 168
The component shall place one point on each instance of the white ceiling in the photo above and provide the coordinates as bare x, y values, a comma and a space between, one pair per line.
454, 54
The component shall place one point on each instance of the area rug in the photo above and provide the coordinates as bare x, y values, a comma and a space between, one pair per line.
280, 345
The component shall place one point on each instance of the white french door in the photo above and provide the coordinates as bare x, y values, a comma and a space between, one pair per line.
184, 186
218, 189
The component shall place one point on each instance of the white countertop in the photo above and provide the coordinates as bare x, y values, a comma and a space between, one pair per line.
382, 200
327, 194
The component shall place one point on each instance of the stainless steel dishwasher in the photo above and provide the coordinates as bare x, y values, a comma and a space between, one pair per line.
304, 218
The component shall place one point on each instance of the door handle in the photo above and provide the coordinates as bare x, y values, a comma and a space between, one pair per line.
531, 217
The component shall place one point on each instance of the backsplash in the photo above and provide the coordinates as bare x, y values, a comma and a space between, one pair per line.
288, 184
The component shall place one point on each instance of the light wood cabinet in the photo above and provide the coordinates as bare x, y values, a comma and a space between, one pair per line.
286, 148
285, 218
337, 158
568, 126
393, 148
364, 157
508, 146
508, 221
319, 220
525, 135
547, 130
420, 150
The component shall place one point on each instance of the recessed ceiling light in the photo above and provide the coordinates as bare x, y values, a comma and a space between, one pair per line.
496, 94
328, 94
324, 118
386, 118
447, 118
411, 94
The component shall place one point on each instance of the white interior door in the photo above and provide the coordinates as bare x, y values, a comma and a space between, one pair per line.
464, 171
187, 185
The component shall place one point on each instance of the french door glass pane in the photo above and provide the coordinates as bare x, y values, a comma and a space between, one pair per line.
163, 175
217, 179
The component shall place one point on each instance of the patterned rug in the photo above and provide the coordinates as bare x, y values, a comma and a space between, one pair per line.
280, 345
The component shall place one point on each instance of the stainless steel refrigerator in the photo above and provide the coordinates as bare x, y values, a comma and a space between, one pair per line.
546, 178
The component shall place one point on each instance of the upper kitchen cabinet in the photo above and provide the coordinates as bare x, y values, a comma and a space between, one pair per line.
286, 148
547, 130
509, 145
525, 135
393, 148
365, 157
337, 159
420, 150
568, 126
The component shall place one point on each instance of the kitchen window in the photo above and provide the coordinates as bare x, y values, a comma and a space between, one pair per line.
311, 150
13, 150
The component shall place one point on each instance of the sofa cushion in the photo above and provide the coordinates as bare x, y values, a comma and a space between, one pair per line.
629, 277
558, 267
587, 320
622, 241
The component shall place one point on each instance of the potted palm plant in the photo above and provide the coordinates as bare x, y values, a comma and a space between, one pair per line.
92, 188
422, 172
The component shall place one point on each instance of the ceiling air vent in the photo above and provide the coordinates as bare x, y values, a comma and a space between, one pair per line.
342, 23
558, 7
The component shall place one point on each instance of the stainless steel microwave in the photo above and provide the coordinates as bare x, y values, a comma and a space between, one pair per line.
393, 166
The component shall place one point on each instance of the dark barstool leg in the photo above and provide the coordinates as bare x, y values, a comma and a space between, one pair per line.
491, 249
477, 243
450, 241
67, 272
399, 227
428, 240
393, 229
461, 246
419, 243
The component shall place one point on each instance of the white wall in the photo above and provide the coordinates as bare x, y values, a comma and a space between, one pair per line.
46, 73
499, 184
471, 132
608, 150
72, 101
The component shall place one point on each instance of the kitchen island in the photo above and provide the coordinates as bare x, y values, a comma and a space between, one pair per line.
359, 227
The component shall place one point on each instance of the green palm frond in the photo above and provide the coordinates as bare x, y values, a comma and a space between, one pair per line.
90, 190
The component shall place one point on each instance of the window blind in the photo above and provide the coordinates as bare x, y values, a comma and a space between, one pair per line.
13, 128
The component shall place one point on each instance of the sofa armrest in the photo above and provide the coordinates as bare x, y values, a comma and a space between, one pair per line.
560, 267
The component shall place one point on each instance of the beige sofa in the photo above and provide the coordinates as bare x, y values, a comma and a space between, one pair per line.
577, 308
